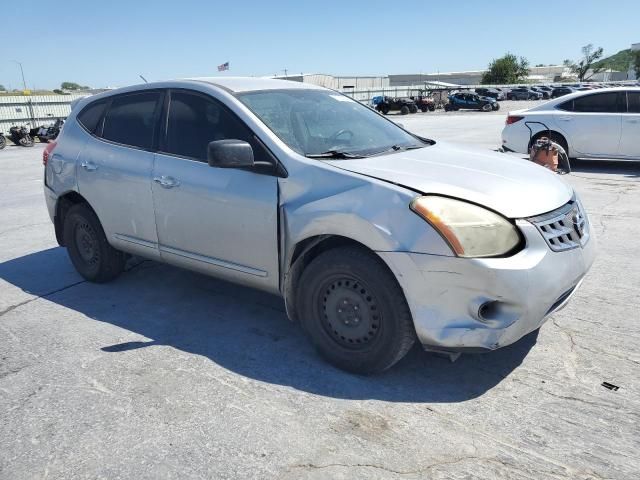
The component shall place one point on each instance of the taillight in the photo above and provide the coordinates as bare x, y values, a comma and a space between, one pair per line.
513, 119
46, 153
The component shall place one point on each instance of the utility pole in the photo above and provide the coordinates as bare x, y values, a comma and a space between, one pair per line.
29, 103
24, 84
285, 73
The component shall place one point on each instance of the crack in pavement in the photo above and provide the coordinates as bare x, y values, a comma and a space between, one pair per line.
390, 470
38, 297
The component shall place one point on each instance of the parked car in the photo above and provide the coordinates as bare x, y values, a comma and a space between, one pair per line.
590, 124
374, 236
389, 104
545, 94
471, 101
523, 93
560, 91
490, 92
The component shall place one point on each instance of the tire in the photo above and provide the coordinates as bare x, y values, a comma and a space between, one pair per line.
413, 109
404, 110
432, 108
385, 109
88, 248
26, 141
354, 311
3, 142
495, 107
424, 109
447, 108
486, 107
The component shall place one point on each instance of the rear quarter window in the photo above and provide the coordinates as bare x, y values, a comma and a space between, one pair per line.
91, 115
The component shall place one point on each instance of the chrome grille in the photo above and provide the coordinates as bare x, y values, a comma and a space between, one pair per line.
564, 228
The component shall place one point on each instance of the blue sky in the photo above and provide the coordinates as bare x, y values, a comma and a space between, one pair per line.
109, 43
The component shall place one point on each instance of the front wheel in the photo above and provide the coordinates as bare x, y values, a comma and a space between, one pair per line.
26, 141
404, 110
3, 142
486, 107
354, 311
88, 248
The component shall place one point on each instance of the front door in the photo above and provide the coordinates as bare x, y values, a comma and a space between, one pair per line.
114, 171
630, 137
220, 221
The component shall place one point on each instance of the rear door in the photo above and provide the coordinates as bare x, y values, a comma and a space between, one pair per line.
114, 171
592, 124
220, 221
630, 137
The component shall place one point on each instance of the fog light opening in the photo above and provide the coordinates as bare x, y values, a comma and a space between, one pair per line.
489, 310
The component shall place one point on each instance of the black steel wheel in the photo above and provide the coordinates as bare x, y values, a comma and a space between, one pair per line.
3, 142
354, 311
88, 248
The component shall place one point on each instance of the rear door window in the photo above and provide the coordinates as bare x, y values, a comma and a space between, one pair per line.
633, 102
91, 115
597, 103
131, 119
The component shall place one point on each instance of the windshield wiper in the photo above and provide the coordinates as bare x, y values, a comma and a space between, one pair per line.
333, 154
397, 148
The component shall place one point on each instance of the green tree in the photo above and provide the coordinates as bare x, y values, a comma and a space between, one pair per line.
2, 88
72, 86
585, 68
507, 69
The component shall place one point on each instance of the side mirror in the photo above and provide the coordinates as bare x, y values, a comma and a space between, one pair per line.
230, 154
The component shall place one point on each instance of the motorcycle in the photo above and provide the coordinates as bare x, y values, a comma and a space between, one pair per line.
20, 136
46, 133
3, 141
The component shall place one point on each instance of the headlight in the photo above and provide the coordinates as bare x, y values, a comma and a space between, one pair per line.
470, 231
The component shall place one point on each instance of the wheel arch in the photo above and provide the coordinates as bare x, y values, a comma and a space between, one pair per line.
544, 133
63, 204
303, 253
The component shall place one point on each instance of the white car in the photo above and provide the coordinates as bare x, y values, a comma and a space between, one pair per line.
591, 124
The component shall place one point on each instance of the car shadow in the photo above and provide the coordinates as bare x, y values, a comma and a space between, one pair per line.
612, 167
245, 331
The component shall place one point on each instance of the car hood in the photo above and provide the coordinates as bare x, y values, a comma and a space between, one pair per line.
511, 186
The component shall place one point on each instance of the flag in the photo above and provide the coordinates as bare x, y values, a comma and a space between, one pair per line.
223, 67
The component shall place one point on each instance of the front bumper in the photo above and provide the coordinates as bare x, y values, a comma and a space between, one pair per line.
461, 304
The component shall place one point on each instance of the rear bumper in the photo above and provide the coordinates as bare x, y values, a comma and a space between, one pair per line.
483, 304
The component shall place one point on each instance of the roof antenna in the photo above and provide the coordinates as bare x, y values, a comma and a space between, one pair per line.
145, 80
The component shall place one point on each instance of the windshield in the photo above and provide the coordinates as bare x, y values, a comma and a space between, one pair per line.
324, 123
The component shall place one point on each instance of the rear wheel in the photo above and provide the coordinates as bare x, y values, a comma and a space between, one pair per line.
486, 107
3, 142
404, 110
413, 109
354, 311
88, 248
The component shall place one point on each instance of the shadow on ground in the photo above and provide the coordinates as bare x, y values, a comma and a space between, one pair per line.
245, 331
611, 167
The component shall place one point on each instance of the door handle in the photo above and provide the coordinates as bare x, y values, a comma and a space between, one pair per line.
89, 166
166, 181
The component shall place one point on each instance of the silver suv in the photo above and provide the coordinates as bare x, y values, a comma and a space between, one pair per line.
375, 237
